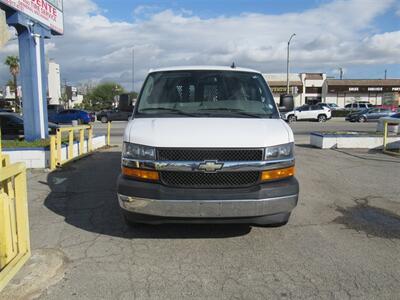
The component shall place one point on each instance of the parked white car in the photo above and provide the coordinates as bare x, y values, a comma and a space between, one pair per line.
207, 145
308, 113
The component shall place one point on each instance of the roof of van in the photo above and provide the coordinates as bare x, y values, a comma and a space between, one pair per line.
203, 68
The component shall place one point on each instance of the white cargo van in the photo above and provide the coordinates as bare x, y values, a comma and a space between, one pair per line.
207, 144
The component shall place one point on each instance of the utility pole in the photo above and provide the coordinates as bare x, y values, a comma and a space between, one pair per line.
341, 73
133, 69
287, 61
66, 94
385, 74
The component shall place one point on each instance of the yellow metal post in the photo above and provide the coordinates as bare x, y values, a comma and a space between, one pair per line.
14, 229
385, 134
90, 139
53, 154
8, 239
22, 211
1, 157
59, 147
71, 144
108, 133
81, 141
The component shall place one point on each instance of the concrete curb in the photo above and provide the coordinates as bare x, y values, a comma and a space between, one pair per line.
44, 269
338, 119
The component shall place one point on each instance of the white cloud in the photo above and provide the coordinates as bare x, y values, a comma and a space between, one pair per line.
146, 9
332, 34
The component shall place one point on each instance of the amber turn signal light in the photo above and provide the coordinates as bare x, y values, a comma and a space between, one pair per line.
141, 174
277, 174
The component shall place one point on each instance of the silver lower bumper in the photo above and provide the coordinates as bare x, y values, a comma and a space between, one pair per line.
208, 208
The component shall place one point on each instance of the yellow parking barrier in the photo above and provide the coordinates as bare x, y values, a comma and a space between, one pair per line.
53, 154
386, 123
1, 155
56, 159
81, 140
14, 224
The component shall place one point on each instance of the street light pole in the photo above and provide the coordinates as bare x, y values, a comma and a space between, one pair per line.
133, 69
287, 69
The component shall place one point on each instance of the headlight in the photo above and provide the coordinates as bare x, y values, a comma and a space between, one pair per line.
279, 152
135, 151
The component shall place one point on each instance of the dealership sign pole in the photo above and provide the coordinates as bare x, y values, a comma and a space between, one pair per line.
35, 21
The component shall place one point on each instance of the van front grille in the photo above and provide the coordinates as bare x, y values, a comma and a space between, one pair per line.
181, 154
210, 180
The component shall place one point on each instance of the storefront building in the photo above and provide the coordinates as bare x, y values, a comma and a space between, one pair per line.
311, 88
305, 87
346, 91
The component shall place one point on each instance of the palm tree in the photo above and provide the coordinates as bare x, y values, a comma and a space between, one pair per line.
13, 63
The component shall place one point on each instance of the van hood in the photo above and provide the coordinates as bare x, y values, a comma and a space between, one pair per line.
208, 132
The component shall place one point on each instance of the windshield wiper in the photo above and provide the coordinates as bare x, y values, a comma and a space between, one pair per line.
172, 110
235, 111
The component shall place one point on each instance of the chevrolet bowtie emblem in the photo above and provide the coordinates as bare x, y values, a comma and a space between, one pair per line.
210, 166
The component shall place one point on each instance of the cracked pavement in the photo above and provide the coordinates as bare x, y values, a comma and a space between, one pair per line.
342, 242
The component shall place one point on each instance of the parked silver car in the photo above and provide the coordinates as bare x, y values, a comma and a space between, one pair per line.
369, 115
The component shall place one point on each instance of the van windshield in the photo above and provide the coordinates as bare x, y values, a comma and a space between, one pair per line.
206, 94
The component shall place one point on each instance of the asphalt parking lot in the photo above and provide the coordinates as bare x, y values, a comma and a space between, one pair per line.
342, 242
300, 129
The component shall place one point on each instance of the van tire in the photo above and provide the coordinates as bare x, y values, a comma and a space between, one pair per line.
291, 119
322, 118
104, 119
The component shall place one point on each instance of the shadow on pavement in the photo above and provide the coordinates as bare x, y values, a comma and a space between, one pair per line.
306, 146
84, 193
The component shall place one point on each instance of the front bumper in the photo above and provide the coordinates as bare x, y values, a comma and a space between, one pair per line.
157, 200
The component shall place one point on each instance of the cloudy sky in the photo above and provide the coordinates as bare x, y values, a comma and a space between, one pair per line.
361, 36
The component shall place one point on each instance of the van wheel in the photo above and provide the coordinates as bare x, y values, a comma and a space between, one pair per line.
104, 119
321, 118
362, 119
291, 119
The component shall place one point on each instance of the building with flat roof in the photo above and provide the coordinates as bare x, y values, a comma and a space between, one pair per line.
305, 87
54, 83
311, 88
345, 91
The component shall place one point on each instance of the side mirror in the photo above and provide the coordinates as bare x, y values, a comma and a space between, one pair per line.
286, 103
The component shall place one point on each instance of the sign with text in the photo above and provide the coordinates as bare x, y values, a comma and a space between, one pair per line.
390, 99
282, 89
47, 12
